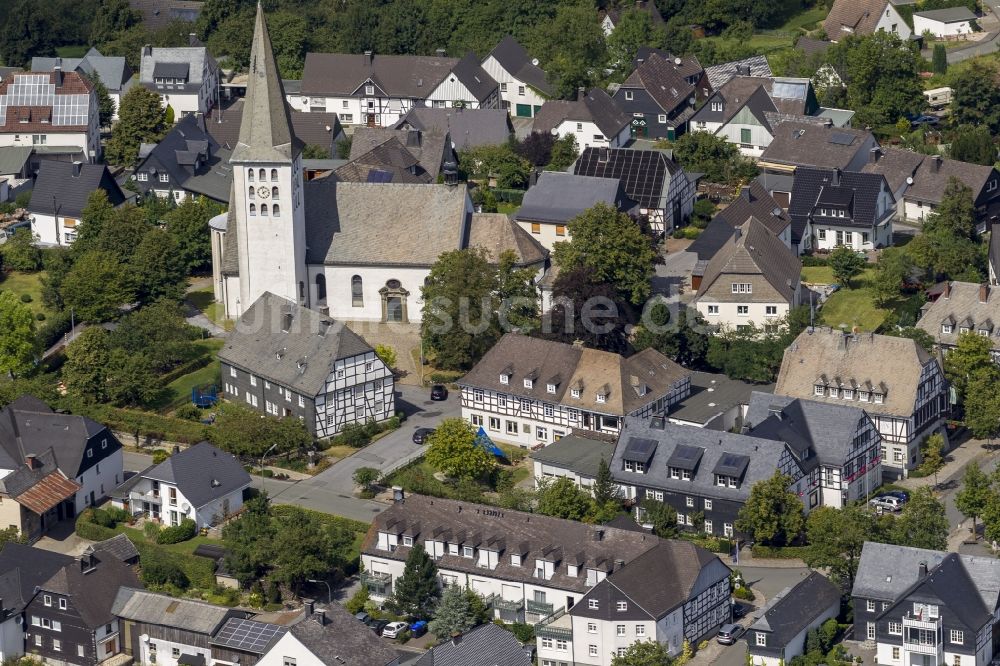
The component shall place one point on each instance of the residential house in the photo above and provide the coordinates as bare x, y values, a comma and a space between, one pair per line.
945, 23
963, 307
527, 566
919, 182
54, 112
418, 155
719, 75
486, 645
845, 448
186, 77
201, 483
700, 473
716, 402
752, 280
329, 636
467, 128
917, 606
899, 384
186, 163
611, 16
558, 197
163, 630
690, 602
779, 632
593, 118
23, 570
53, 465
320, 130
60, 195
527, 391
112, 71
158, 14
826, 75
70, 619
660, 95
245, 641
378, 90
524, 86
753, 201
286, 360
832, 208
497, 234
664, 192
577, 457
807, 144
864, 17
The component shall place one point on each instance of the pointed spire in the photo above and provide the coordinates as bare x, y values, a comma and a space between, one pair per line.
266, 131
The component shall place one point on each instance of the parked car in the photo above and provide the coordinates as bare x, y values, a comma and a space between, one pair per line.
378, 625
439, 392
420, 435
931, 121
729, 634
394, 629
419, 628
886, 503
363, 617
903, 496
739, 610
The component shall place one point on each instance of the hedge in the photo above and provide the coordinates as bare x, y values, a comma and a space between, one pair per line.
186, 368
709, 543
445, 376
785, 553
508, 196
177, 533
87, 529
811, 260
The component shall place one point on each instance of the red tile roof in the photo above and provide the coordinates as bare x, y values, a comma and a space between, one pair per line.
47, 493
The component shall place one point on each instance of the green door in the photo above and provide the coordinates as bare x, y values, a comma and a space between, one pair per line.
537, 109
523, 110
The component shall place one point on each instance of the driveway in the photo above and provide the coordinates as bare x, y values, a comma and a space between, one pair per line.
673, 276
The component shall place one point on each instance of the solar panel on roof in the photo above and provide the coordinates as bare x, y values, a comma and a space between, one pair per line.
841, 138
685, 457
379, 176
788, 90
247, 635
731, 464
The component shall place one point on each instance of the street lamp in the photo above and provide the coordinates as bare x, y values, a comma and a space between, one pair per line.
329, 592
262, 464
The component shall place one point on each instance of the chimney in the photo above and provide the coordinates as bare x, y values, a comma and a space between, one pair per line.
369, 58
57, 74
619, 564
776, 411
77, 167
440, 53
873, 155
177, 449
581, 92
286, 322
598, 535
31, 461
603, 154
633, 380
947, 290
828, 122
743, 69
310, 606
835, 178
193, 39
398, 496
935, 163
578, 344
456, 638
923, 570
147, 50
320, 617
745, 193
984, 292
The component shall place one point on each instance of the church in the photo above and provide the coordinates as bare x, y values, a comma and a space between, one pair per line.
352, 251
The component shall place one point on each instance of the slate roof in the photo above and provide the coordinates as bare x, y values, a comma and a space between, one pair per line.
193, 160
341, 74
486, 645
67, 186
826, 429
755, 201
764, 97
596, 107
310, 127
757, 457
139, 605
576, 453
428, 148
202, 473
664, 80
515, 59
796, 608
868, 359
958, 302
896, 164
468, 128
388, 162
22, 570
967, 584
13, 159
711, 395
197, 58
118, 546
932, 176
558, 197
313, 341
948, 15
719, 75
860, 16
814, 145
857, 192
811, 46
510, 532
497, 233
113, 71
569, 366
645, 174
92, 587
341, 639
755, 251
472, 75
157, 14
711, 239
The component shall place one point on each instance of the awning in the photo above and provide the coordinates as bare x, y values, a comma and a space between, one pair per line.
47, 493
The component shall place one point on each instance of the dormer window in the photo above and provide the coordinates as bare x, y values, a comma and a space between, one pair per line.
602, 397
575, 393
963, 329
550, 388
407, 541
947, 328
467, 551
572, 570
529, 383
863, 396
504, 378
848, 394
515, 560
819, 389
878, 398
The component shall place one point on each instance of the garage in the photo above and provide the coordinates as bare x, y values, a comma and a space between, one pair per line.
523, 111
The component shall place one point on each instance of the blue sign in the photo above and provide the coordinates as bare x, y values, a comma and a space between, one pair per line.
483, 440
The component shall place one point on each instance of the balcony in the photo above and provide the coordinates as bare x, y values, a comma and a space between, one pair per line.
149, 496
509, 605
929, 624
538, 607
558, 625
922, 636
375, 578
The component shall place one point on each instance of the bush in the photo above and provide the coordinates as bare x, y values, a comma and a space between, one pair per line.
813, 260
177, 533
744, 593
445, 376
158, 569
357, 602
54, 329
87, 529
189, 412
40, 316
151, 530
159, 455
100, 517
354, 435
787, 552
387, 354
26, 298
116, 515
522, 632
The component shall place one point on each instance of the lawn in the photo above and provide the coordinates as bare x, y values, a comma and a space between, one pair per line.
26, 283
848, 308
204, 301
74, 51
806, 19
824, 275
182, 548
178, 391
507, 208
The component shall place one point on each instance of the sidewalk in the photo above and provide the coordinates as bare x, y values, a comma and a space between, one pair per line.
954, 466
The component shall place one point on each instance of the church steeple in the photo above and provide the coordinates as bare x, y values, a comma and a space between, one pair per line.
266, 131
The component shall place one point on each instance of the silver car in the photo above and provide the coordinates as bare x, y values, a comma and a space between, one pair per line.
887, 503
729, 634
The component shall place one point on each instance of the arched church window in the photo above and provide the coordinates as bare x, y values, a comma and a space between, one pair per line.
253, 209
263, 174
250, 175
251, 192
263, 209
357, 294
274, 174
275, 210
321, 287
274, 192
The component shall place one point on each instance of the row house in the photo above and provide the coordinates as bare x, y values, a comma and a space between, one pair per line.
289, 361
962, 308
528, 392
527, 566
894, 380
378, 90
917, 606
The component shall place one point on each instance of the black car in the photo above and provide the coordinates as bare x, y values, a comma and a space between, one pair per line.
420, 435
739, 610
439, 392
378, 625
902, 495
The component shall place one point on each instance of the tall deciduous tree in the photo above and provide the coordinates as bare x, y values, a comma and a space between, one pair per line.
975, 97
975, 493
643, 653
141, 119
96, 287
922, 523
588, 310
188, 225
248, 540
683, 341
452, 449
972, 353
156, 269
416, 592
245, 432
572, 48
19, 346
882, 73
661, 516
772, 514
562, 498
719, 160
634, 29
836, 537
933, 456
302, 549
892, 268
84, 372
20, 252
982, 402
846, 264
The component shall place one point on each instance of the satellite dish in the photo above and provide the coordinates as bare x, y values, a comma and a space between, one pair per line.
144, 638
185, 507
555, 131
909, 180
677, 61
305, 100
534, 61
692, 101
428, 103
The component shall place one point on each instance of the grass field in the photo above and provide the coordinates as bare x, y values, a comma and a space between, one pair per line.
26, 283
178, 392
854, 307
805, 20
